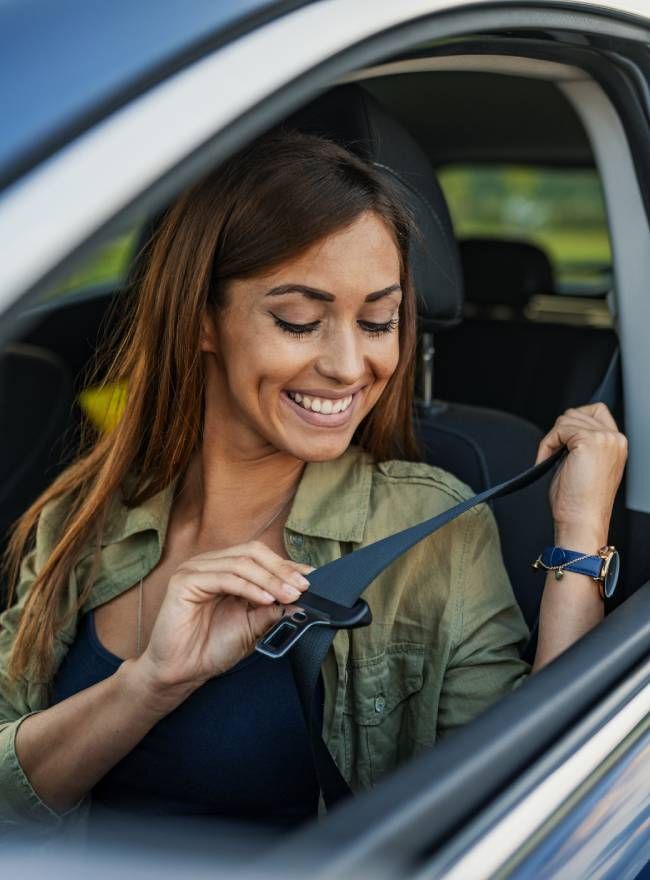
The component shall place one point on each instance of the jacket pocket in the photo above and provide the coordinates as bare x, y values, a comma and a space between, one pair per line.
380, 715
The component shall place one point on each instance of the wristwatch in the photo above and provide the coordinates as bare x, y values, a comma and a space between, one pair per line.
603, 567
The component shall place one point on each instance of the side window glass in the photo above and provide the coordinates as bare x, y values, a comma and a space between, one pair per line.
106, 270
107, 267
560, 210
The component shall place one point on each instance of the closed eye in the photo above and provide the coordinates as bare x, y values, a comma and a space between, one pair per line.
299, 330
296, 329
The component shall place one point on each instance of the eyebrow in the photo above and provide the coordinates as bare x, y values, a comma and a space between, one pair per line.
324, 295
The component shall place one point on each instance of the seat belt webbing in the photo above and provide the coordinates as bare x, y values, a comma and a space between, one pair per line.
344, 580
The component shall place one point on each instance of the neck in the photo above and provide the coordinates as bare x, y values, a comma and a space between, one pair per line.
232, 496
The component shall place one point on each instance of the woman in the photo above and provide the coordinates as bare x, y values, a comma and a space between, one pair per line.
269, 367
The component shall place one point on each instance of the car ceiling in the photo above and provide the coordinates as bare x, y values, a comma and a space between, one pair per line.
485, 117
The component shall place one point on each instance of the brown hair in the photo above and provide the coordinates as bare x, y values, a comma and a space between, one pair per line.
264, 205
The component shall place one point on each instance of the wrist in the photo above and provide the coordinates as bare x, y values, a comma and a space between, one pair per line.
156, 697
580, 538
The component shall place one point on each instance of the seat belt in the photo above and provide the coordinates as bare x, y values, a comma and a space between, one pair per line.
333, 602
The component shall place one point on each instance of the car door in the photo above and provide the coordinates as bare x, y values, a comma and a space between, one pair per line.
525, 781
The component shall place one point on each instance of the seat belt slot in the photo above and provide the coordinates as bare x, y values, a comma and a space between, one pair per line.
311, 610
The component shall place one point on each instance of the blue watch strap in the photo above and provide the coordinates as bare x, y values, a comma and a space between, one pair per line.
552, 557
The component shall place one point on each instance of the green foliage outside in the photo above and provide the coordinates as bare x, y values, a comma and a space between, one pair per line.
110, 263
560, 210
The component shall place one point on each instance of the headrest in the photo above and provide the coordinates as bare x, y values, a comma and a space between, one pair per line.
504, 272
351, 116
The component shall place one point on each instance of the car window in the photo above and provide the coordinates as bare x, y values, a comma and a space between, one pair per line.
560, 210
106, 269
108, 265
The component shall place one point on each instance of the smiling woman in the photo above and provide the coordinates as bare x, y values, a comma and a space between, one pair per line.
332, 354
267, 430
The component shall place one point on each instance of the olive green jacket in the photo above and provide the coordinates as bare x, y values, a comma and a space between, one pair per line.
443, 645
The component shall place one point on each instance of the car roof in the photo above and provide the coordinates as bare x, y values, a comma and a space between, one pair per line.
65, 64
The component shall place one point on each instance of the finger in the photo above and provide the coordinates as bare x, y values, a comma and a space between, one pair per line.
249, 570
260, 620
202, 586
574, 434
284, 590
598, 411
557, 437
286, 587
285, 569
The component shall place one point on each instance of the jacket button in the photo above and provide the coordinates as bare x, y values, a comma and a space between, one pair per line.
380, 703
296, 540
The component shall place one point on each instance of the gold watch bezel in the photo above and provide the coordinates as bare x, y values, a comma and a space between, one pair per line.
606, 553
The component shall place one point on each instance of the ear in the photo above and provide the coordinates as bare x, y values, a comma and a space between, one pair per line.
208, 335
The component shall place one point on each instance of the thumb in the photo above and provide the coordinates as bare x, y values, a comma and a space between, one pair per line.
263, 617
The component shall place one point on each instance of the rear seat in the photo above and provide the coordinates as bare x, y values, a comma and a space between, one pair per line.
498, 358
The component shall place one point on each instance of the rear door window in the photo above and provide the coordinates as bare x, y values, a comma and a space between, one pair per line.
560, 210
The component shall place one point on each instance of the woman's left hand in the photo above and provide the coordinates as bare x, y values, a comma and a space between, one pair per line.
583, 490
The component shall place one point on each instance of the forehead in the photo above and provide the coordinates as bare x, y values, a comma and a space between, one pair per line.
360, 258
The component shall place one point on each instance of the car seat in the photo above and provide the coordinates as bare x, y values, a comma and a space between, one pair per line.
498, 358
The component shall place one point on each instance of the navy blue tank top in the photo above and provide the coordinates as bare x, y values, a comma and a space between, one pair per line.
236, 748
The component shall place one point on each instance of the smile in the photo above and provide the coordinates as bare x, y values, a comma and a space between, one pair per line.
322, 412
325, 405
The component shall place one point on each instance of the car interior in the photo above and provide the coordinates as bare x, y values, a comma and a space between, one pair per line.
493, 302
486, 396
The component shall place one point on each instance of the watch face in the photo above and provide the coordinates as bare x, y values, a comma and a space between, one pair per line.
611, 578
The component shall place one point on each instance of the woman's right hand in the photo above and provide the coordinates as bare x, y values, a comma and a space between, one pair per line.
216, 607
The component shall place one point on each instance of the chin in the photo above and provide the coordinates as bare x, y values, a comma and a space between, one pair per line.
322, 451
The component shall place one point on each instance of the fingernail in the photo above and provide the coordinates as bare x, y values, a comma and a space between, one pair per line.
291, 592
268, 596
299, 580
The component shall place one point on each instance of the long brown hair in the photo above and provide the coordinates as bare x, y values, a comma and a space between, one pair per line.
263, 206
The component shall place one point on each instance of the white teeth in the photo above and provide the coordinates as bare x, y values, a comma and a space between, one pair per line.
325, 405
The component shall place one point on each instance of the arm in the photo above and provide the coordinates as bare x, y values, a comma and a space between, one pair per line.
66, 749
50, 758
216, 606
582, 497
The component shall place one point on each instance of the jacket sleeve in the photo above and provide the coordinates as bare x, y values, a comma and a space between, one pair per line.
18, 699
490, 632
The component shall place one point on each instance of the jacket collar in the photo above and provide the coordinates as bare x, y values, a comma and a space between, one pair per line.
333, 498
331, 502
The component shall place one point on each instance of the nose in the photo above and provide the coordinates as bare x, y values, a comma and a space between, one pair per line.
342, 358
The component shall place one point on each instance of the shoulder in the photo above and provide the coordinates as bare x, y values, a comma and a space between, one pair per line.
405, 474
405, 492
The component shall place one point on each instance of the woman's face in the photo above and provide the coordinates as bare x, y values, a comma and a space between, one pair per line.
302, 354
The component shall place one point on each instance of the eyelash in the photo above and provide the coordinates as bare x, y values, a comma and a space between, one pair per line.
302, 330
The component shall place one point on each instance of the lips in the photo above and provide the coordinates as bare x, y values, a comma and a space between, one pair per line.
345, 407
326, 405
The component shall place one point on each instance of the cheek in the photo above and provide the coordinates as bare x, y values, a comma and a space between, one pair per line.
385, 361
258, 360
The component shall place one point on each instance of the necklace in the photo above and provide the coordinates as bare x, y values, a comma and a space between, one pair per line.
258, 533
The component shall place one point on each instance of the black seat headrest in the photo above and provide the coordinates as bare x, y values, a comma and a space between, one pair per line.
509, 273
351, 116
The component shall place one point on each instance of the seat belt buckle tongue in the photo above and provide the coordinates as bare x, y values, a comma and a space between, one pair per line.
311, 610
